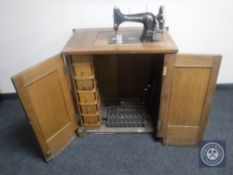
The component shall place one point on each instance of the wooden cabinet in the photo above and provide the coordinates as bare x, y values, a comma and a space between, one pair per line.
63, 92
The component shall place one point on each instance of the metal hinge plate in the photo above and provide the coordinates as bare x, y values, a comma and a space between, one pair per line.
158, 125
67, 70
164, 70
48, 153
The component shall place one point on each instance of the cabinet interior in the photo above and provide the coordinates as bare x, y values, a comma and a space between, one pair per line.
123, 84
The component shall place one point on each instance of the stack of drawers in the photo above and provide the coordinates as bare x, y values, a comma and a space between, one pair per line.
87, 90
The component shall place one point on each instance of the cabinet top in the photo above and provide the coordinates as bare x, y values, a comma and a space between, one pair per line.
95, 41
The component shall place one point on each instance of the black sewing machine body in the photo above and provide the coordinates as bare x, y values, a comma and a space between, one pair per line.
152, 24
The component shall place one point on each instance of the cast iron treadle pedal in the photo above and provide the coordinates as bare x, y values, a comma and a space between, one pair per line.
126, 115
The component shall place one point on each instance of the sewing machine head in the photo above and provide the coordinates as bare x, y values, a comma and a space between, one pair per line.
153, 25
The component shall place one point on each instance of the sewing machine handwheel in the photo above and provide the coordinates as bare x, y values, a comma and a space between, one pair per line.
161, 17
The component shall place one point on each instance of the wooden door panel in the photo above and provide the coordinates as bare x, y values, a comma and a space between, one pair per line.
177, 135
188, 94
45, 107
187, 90
46, 97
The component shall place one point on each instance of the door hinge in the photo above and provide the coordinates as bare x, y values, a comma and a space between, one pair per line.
48, 153
164, 70
67, 70
158, 125
30, 121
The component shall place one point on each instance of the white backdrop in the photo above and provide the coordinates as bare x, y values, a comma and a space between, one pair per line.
33, 30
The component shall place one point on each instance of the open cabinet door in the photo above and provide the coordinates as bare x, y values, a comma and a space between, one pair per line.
47, 101
187, 90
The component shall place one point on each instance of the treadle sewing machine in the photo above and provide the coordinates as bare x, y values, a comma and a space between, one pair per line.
153, 25
127, 80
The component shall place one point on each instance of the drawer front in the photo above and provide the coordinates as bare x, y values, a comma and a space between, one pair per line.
87, 97
85, 84
91, 119
89, 109
83, 69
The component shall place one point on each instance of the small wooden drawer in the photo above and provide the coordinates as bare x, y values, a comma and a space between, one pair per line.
82, 66
91, 118
88, 96
83, 70
92, 126
90, 108
85, 84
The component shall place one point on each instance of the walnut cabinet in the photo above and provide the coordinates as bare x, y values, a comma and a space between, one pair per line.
65, 95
